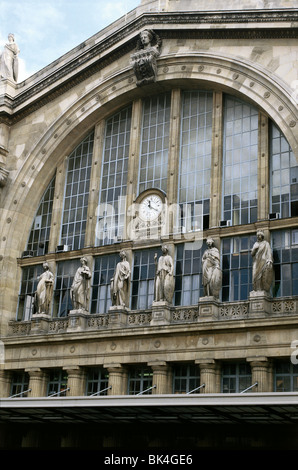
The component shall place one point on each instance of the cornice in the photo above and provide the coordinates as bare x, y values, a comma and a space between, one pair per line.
84, 62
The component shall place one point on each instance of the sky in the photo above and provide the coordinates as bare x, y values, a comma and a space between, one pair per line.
46, 29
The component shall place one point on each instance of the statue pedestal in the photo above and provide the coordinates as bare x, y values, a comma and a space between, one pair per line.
259, 304
40, 323
118, 316
208, 308
77, 320
161, 313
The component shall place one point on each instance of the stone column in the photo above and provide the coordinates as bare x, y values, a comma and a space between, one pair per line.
117, 379
95, 179
263, 168
174, 154
133, 164
5, 383
57, 206
160, 378
37, 382
216, 161
260, 369
208, 376
76, 381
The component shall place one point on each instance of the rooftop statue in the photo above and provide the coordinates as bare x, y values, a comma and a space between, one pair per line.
9, 63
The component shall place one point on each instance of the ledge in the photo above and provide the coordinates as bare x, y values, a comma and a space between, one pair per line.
209, 311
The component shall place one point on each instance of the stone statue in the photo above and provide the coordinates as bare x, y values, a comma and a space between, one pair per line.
212, 274
9, 63
44, 291
164, 276
80, 289
262, 269
144, 59
120, 283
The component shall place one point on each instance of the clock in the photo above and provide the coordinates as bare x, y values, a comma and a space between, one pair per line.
150, 207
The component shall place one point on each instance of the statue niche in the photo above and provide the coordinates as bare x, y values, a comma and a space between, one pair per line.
144, 59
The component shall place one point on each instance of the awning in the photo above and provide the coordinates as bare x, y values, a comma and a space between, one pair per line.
252, 408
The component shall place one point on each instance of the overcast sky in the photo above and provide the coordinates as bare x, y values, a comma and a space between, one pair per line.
46, 29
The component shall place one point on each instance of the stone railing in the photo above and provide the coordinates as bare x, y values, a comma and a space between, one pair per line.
208, 309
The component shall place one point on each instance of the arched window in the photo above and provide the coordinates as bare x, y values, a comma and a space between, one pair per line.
283, 176
76, 196
111, 210
192, 173
240, 162
195, 159
38, 242
153, 170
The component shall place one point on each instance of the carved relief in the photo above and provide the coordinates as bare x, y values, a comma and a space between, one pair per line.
144, 59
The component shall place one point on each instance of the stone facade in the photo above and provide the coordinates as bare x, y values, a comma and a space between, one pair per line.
250, 54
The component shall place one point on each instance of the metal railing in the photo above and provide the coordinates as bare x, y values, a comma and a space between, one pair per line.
21, 393
249, 388
195, 389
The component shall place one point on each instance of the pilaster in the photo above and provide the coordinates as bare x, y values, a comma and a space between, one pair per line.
263, 168
133, 163
57, 206
95, 179
216, 161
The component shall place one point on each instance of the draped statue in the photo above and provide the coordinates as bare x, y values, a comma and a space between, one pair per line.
164, 276
120, 282
262, 269
44, 291
212, 274
80, 289
9, 67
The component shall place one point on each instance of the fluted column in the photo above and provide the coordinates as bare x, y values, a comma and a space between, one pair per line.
76, 381
117, 380
160, 378
37, 382
209, 376
260, 370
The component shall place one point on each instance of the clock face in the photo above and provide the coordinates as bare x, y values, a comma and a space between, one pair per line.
150, 207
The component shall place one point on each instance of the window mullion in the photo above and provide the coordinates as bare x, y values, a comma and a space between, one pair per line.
216, 160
